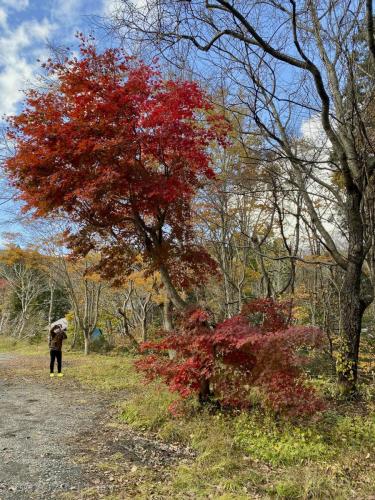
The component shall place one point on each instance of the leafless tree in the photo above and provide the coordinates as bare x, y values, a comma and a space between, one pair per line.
291, 63
28, 284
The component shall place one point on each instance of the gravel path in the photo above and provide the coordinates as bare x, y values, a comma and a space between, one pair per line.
39, 421
56, 438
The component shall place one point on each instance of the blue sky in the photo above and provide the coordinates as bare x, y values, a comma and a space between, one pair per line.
27, 27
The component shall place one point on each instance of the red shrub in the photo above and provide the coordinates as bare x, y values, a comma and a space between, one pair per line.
256, 349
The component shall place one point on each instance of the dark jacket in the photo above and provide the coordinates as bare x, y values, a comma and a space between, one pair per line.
56, 337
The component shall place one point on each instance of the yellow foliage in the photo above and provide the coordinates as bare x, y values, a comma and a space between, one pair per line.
16, 255
94, 277
253, 274
313, 259
149, 283
301, 313
301, 293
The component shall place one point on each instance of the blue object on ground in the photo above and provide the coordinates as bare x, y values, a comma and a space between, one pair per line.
96, 334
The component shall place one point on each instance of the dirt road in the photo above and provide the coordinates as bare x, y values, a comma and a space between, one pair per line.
58, 438
38, 423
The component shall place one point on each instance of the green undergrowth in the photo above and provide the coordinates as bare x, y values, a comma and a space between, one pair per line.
104, 372
253, 454
9, 345
244, 455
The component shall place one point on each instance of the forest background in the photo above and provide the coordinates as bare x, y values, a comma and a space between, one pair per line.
287, 218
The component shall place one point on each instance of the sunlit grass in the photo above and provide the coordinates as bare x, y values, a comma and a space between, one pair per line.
248, 455
103, 372
10, 344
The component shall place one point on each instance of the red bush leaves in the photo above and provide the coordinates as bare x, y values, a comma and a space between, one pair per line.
254, 350
121, 152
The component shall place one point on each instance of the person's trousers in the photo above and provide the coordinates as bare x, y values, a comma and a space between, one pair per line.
58, 356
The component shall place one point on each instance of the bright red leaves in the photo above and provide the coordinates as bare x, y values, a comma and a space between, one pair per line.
254, 350
121, 152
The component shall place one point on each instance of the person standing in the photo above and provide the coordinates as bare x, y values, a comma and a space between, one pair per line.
56, 337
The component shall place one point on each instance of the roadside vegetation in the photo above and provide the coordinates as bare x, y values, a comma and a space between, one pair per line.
209, 241
236, 454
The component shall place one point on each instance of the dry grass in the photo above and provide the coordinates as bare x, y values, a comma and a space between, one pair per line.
238, 456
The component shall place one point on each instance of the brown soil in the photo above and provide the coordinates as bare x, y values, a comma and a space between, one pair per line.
58, 439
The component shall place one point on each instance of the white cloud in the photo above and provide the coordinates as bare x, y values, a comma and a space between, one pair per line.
11, 79
111, 6
313, 132
3, 18
19, 50
15, 4
66, 11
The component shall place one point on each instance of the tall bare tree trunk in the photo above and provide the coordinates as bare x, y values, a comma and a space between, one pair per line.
144, 329
351, 320
51, 297
87, 344
353, 303
76, 330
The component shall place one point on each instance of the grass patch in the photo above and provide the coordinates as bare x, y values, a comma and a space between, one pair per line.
253, 454
9, 344
248, 455
104, 372
280, 445
149, 409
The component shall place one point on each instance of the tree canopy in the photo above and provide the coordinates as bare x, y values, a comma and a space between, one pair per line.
121, 152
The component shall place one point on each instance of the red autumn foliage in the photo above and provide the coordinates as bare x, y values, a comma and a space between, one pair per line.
255, 350
121, 152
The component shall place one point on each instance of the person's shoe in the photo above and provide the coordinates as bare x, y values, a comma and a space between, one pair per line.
51, 375
60, 374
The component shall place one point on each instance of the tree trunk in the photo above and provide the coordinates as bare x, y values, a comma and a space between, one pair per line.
204, 392
168, 323
4, 319
22, 324
167, 316
125, 330
351, 320
51, 297
87, 344
170, 289
75, 334
352, 306
144, 329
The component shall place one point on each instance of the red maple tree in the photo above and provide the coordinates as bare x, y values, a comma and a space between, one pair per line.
256, 349
121, 152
